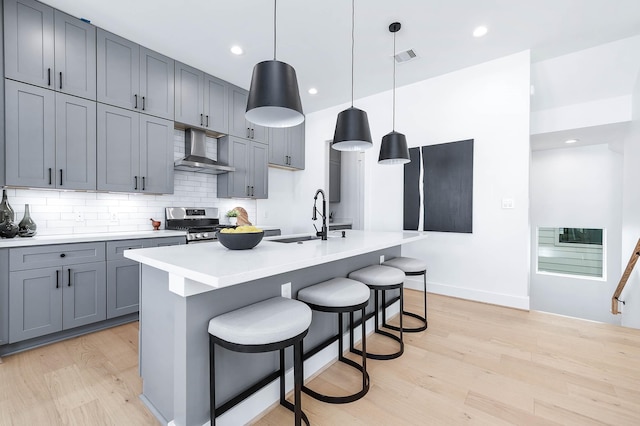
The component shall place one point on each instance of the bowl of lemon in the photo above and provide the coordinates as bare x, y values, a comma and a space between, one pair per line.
240, 238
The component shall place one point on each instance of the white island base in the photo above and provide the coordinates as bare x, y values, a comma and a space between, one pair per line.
183, 287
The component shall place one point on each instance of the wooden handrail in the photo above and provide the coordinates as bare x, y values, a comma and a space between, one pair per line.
625, 277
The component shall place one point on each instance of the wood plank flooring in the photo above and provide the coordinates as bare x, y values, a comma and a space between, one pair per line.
476, 364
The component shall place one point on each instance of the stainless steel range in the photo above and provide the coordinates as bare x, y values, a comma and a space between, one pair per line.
201, 223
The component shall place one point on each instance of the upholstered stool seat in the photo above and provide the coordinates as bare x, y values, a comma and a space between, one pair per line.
411, 267
270, 325
340, 295
380, 279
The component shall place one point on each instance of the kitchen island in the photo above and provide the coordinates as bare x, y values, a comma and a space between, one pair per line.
183, 287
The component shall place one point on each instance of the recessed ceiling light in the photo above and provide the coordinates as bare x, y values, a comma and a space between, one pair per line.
480, 31
313, 91
237, 50
571, 140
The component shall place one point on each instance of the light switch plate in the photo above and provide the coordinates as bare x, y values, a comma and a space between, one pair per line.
381, 259
286, 290
508, 203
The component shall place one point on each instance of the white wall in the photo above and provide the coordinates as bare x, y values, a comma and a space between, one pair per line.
489, 103
55, 211
577, 188
631, 214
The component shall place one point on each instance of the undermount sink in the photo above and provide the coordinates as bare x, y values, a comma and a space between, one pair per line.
296, 239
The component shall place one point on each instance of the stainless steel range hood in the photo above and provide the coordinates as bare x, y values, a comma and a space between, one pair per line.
196, 159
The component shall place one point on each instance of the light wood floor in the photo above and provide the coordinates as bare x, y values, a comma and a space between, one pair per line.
476, 364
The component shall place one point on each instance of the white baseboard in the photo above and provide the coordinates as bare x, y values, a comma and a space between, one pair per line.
265, 398
416, 283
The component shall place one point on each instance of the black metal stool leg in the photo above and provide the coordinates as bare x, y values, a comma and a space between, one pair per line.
414, 315
212, 382
297, 381
383, 332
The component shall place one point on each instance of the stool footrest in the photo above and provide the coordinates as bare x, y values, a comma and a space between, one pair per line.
290, 406
341, 399
409, 329
383, 357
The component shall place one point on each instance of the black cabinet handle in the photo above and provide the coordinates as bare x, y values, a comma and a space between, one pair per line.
207, 121
60, 80
136, 179
60, 177
48, 76
252, 135
252, 194
136, 104
63, 255
143, 184
248, 192
248, 132
143, 103
201, 121
69, 282
49, 175
57, 278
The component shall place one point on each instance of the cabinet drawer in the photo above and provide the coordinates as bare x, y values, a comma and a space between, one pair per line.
115, 249
55, 255
167, 241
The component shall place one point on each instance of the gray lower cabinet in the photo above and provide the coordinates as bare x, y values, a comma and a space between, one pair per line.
49, 48
201, 100
250, 158
135, 152
53, 288
123, 275
133, 77
51, 138
4, 296
286, 147
238, 125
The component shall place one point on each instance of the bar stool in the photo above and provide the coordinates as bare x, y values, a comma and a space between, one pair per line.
410, 267
266, 326
380, 279
340, 295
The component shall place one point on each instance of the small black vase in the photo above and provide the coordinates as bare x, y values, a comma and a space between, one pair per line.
8, 229
27, 227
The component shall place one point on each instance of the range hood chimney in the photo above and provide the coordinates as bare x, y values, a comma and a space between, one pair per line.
196, 159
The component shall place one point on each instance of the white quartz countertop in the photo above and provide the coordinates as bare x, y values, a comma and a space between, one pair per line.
214, 266
39, 240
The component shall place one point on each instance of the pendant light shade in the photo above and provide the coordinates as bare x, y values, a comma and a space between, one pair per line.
352, 131
274, 98
352, 126
393, 149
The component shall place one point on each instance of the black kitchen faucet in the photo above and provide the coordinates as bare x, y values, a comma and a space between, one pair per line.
323, 231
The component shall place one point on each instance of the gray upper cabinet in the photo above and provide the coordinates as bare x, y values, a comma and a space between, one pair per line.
250, 158
48, 48
238, 125
201, 100
135, 151
156, 84
75, 143
133, 77
52, 138
30, 132
286, 147
118, 71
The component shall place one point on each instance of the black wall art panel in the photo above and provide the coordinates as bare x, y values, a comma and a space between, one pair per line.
412, 191
447, 188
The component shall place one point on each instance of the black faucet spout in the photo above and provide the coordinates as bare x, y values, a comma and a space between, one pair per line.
323, 231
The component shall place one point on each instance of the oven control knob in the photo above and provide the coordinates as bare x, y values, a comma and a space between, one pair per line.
205, 235
198, 236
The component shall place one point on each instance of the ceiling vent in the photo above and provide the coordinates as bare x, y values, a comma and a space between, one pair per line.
405, 56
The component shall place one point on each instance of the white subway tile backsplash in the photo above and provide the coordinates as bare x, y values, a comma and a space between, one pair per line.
55, 212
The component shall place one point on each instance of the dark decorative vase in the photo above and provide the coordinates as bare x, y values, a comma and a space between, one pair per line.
27, 227
8, 229
5, 208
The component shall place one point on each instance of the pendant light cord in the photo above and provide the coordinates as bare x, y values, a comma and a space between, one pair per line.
353, 20
275, 9
393, 125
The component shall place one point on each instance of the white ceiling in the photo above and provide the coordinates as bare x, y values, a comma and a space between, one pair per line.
315, 35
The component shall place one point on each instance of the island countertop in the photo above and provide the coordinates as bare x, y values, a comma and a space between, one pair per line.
197, 268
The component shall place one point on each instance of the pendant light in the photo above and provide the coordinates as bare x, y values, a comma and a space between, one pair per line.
394, 145
274, 99
352, 126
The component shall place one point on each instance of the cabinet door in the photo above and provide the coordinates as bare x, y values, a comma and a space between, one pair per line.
189, 88
84, 294
156, 84
237, 107
35, 297
28, 41
118, 149
235, 152
334, 182
4, 296
75, 56
278, 154
75, 143
259, 170
30, 135
156, 155
123, 287
258, 133
216, 105
118, 73
295, 142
